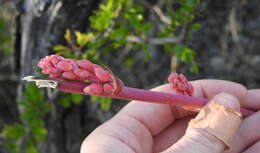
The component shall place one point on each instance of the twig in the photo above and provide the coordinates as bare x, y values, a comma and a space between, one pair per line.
160, 41
160, 14
155, 41
110, 28
157, 11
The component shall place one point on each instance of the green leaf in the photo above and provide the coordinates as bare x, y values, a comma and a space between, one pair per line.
129, 62
140, 17
31, 147
184, 53
82, 38
191, 3
105, 103
14, 148
59, 48
47, 108
14, 131
118, 33
67, 36
195, 26
194, 68
33, 94
35, 122
103, 17
28, 114
76, 98
65, 102
94, 98
147, 27
39, 133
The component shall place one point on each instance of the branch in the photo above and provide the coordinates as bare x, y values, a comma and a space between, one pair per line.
160, 14
160, 41
111, 26
157, 11
154, 41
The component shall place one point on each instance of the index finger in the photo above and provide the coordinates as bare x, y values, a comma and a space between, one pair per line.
156, 117
210, 88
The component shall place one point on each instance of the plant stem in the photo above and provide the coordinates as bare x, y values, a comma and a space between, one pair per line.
128, 93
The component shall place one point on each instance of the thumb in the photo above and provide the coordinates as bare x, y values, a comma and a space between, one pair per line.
212, 129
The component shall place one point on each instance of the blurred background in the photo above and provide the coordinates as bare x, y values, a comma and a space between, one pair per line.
142, 41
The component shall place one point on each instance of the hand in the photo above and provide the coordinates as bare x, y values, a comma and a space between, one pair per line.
148, 127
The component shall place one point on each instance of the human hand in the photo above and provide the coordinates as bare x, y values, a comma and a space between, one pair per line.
149, 127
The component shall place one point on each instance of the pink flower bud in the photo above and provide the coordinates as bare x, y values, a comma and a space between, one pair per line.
103, 75
40, 64
108, 88
190, 90
69, 60
180, 84
85, 64
75, 65
64, 66
44, 71
54, 62
52, 71
48, 64
172, 77
81, 73
97, 66
54, 76
48, 58
182, 78
60, 58
68, 75
94, 88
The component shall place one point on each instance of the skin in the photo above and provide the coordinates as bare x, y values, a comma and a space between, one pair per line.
150, 128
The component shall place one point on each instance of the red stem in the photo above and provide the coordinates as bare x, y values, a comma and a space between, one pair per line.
128, 93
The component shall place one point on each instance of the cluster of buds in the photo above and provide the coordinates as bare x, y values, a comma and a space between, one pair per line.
101, 80
180, 84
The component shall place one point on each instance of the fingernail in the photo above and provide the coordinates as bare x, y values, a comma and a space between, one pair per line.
227, 100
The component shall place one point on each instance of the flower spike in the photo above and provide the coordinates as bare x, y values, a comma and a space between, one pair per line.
85, 77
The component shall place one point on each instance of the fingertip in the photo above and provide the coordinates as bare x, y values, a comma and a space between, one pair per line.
227, 100
209, 88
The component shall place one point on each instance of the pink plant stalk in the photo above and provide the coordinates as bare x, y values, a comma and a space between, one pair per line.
84, 77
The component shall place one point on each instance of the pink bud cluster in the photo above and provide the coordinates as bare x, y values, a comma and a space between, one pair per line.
180, 83
101, 80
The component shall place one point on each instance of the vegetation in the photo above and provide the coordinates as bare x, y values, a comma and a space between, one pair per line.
125, 25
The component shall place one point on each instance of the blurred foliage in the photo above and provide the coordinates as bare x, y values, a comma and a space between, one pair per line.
67, 99
124, 25
117, 21
6, 38
32, 127
31, 130
7, 14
